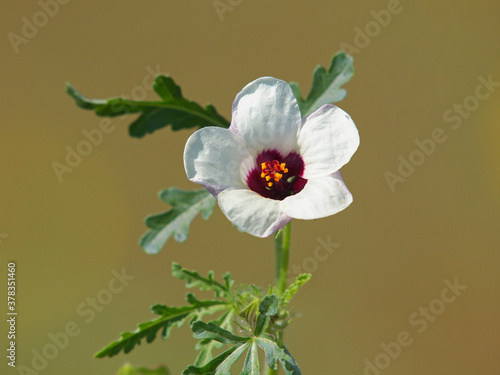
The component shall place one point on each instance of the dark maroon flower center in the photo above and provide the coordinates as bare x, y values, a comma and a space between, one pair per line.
276, 176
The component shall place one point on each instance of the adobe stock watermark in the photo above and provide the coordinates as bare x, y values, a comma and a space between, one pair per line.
223, 6
32, 25
87, 310
427, 146
419, 321
322, 251
94, 137
380, 19
2, 236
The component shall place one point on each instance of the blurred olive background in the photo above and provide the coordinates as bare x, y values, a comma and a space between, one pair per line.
394, 249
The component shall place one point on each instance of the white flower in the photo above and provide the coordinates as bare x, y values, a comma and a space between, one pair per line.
271, 165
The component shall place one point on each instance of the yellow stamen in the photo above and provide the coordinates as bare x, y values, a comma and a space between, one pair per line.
271, 171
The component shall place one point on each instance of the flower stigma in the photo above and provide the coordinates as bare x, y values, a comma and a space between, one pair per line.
276, 176
271, 171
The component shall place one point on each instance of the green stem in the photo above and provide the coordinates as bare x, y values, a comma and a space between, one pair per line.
282, 251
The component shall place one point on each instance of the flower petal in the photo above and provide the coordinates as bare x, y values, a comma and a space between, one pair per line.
321, 197
217, 159
252, 213
266, 114
327, 140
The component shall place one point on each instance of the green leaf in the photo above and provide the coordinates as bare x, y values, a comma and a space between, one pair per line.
225, 367
193, 278
173, 109
219, 365
212, 331
275, 353
289, 365
186, 205
170, 317
228, 280
127, 369
206, 346
252, 365
327, 85
268, 307
199, 308
295, 286
274, 350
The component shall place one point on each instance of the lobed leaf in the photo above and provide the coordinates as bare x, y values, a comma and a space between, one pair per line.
274, 350
252, 365
212, 331
170, 317
219, 365
193, 278
186, 205
228, 280
206, 346
327, 84
289, 364
173, 109
271, 349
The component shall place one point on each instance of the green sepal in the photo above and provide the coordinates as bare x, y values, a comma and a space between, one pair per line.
295, 286
173, 109
186, 205
127, 369
327, 84
250, 313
